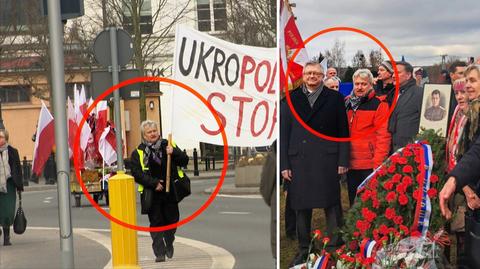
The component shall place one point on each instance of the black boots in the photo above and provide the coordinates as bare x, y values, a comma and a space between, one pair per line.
6, 236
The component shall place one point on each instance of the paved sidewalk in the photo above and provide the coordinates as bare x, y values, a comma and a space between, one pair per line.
39, 248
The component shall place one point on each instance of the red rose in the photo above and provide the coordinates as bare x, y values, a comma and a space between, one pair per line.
433, 178
375, 203
388, 185
383, 229
356, 234
402, 199
391, 196
417, 194
391, 169
396, 178
382, 171
418, 159
407, 153
326, 240
394, 158
317, 234
420, 178
407, 169
432, 192
365, 195
401, 188
368, 215
390, 213
407, 180
402, 160
398, 220
404, 229
373, 183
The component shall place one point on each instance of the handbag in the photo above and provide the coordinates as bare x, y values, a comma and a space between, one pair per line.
146, 200
182, 187
20, 221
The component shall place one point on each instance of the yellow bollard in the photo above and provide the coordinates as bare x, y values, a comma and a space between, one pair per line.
121, 191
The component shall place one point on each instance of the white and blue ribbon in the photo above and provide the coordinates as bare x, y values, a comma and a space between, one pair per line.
426, 206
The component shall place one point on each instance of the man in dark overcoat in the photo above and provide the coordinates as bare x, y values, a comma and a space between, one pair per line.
313, 164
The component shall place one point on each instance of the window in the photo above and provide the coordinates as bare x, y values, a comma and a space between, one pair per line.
70, 86
15, 93
211, 15
145, 17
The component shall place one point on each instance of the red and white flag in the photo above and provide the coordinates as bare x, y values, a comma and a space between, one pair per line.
101, 120
290, 41
80, 109
107, 146
45, 139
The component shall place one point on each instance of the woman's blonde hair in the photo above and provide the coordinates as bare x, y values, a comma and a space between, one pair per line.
4, 132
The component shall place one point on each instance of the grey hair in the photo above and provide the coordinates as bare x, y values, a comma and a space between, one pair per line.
363, 73
472, 67
314, 63
5, 133
145, 124
334, 79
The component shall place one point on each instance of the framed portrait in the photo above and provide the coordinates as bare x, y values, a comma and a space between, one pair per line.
435, 106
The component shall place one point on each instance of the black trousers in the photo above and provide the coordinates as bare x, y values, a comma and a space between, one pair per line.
354, 179
472, 238
334, 217
290, 219
163, 213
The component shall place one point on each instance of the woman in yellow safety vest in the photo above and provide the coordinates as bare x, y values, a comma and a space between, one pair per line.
149, 168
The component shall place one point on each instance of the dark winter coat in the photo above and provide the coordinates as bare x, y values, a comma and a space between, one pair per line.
405, 119
314, 161
467, 171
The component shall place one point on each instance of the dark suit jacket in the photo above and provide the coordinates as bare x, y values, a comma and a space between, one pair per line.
314, 161
467, 171
405, 119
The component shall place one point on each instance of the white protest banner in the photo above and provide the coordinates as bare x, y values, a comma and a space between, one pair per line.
240, 82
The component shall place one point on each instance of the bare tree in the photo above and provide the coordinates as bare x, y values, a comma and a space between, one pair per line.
336, 55
252, 22
376, 58
359, 60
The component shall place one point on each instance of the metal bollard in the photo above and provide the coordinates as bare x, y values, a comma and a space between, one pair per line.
213, 162
185, 151
207, 163
195, 163
121, 191
26, 171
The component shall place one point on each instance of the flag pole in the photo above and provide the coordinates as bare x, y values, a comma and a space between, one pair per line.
169, 164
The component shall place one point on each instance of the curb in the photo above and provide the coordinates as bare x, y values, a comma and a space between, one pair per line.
232, 190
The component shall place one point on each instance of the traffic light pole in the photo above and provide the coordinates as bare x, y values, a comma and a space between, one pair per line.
59, 108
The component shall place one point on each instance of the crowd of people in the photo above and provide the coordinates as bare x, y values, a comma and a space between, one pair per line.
311, 166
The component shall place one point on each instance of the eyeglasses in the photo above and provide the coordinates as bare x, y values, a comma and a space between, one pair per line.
312, 73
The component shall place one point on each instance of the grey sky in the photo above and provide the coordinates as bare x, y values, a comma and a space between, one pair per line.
419, 30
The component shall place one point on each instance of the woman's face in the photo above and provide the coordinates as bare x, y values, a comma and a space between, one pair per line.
473, 84
3, 141
151, 134
462, 99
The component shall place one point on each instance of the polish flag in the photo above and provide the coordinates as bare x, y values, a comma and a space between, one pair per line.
80, 109
290, 41
101, 120
45, 139
107, 146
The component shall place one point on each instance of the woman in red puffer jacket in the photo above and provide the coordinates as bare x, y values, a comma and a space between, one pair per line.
365, 113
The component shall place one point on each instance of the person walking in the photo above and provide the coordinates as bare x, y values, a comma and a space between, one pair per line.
11, 181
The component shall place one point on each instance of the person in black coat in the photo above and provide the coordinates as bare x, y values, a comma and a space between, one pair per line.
149, 168
312, 164
405, 119
11, 182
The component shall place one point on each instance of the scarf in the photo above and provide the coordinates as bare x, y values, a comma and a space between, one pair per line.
154, 150
455, 132
312, 96
4, 168
355, 101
